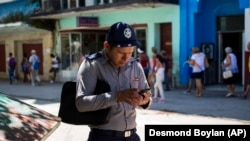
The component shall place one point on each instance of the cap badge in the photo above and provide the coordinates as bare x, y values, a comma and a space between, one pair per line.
127, 33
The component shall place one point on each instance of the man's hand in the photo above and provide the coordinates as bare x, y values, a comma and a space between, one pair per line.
132, 97
146, 97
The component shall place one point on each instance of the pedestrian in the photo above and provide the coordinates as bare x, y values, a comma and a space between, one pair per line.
25, 68
34, 66
198, 62
248, 81
230, 64
116, 66
159, 78
55, 67
11, 68
67, 59
166, 60
152, 63
247, 88
191, 79
144, 60
205, 67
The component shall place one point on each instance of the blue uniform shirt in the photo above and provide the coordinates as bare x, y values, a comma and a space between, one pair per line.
122, 116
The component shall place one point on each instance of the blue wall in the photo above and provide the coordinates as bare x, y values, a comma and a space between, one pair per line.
198, 24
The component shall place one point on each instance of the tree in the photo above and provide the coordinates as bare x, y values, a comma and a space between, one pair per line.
39, 23
20, 16
30, 2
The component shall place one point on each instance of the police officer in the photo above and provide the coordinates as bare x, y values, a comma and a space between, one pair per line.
116, 66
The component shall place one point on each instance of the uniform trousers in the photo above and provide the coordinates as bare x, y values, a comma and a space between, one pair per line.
99, 136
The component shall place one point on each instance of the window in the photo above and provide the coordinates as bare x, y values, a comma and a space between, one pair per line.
92, 42
99, 2
234, 22
81, 3
71, 50
141, 36
45, 4
76, 44
73, 4
66, 4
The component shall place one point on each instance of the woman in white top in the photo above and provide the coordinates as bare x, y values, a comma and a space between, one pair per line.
151, 73
159, 78
230, 63
198, 62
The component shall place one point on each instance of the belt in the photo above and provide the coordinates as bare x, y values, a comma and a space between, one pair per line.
114, 133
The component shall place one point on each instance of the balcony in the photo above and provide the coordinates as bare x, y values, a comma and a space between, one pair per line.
54, 9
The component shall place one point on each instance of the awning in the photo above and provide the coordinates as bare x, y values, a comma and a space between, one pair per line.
104, 28
19, 28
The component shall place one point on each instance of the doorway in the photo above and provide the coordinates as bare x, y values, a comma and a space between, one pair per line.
166, 45
27, 47
2, 58
231, 39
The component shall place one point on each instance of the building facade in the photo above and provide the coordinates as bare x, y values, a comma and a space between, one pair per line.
20, 38
214, 25
82, 25
174, 26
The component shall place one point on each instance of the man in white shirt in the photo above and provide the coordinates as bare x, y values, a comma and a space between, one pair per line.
55, 67
34, 63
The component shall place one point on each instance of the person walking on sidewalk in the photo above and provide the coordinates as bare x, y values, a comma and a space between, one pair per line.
166, 61
34, 63
144, 60
198, 62
124, 73
189, 70
230, 63
25, 68
55, 67
159, 78
152, 64
244, 96
11, 68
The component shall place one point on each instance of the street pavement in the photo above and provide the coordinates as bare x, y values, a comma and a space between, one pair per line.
179, 109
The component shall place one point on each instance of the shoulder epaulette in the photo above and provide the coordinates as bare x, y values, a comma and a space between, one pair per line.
135, 59
94, 56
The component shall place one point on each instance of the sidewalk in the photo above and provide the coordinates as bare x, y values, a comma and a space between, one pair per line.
179, 108
213, 103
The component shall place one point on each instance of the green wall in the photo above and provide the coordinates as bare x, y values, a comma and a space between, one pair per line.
150, 16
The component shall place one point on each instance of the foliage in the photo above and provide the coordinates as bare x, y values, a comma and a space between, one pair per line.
20, 16
30, 2
14, 17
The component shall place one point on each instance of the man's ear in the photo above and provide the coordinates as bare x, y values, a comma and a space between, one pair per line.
106, 44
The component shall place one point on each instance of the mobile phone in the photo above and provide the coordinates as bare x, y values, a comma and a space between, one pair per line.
143, 91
